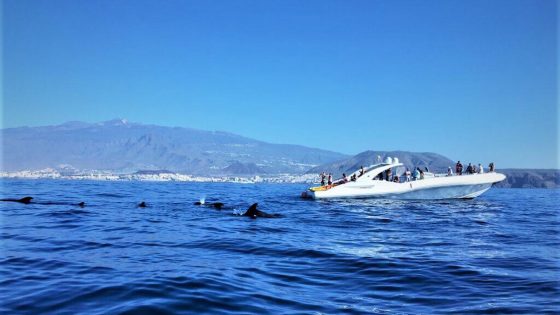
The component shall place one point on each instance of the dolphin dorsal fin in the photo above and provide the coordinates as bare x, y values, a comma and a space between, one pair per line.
25, 200
252, 211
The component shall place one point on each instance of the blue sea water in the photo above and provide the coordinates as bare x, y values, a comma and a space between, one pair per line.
498, 253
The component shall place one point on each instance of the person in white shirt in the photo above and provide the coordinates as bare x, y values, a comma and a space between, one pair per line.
407, 174
449, 171
480, 169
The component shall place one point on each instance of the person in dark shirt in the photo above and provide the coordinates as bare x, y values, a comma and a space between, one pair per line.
469, 169
459, 168
388, 175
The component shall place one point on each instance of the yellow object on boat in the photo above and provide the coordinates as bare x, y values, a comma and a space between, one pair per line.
321, 188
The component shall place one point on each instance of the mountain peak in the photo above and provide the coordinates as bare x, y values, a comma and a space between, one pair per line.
115, 122
74, 124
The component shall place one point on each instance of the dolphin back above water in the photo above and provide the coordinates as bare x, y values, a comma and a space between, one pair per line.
25, 200
253, 213
216, 205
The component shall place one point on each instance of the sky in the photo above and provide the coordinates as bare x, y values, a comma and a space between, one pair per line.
476, 81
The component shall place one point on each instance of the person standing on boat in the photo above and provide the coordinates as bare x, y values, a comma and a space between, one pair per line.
421, 173
323, 179
469, 169
491, 167
407, 174
459, 168
361, 171
388, 175
449, 171
416, 174
330, 179
480, 169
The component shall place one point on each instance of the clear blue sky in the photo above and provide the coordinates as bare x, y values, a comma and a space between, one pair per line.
472, 80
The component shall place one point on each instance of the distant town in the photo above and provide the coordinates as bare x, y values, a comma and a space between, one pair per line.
50, 173
516, 178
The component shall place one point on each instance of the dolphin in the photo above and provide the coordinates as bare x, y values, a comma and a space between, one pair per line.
253, 213
55, 203
25, 200
217, 205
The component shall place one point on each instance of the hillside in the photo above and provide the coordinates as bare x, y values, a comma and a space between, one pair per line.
530, 178
435, 162
120, 146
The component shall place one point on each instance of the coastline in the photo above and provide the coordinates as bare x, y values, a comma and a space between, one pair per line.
162, 177
516, 178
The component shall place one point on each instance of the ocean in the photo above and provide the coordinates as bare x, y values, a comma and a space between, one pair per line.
498, 253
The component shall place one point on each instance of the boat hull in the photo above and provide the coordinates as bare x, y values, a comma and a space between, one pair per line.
447, 187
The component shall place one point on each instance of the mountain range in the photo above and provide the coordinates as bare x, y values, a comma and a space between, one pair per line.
530, 178
120, 146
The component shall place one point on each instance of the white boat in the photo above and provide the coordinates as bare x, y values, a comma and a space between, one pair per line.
432, 186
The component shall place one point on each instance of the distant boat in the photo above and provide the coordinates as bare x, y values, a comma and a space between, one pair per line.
432, 186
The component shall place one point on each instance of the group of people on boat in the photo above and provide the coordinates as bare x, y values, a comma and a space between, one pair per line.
471, 169
417, 174
326, 179
407, 176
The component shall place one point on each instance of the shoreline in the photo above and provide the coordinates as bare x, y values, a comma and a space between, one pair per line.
516, 178
164, 177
